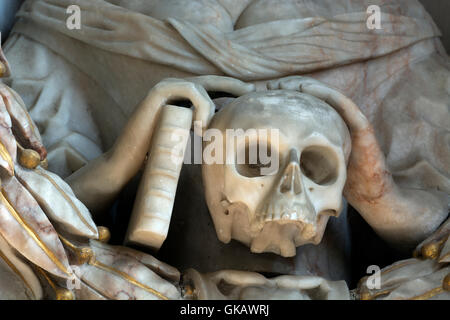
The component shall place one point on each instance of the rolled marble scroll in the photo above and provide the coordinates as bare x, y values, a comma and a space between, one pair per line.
153, 206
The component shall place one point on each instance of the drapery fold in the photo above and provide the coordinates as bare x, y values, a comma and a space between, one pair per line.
262, 51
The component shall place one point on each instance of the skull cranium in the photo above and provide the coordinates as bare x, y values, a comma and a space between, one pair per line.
290, 207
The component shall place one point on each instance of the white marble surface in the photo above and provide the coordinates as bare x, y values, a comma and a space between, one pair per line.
242, 285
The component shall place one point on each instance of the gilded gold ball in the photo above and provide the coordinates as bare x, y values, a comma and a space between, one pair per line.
104, 234
85, 254
446, 283
64, 294
30, 159
431, 250
44, 163
365, 296
189, 291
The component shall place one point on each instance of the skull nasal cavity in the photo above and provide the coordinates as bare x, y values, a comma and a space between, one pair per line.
290, 181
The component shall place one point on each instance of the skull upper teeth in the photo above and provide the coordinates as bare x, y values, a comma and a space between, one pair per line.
272, 213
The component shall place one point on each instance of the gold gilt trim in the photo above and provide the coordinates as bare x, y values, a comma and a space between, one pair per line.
395, 267
6, 156
87, 256
83, 254
442, 246
104, 235
23, 107
433, 249
28, 158
68, 243
445, 256
16, 271
31, 232
47, 278
60, 293
67, 198
368, 296
429, 294
127, 277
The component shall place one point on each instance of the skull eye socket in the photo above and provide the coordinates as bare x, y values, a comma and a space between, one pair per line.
319, 164
252, 160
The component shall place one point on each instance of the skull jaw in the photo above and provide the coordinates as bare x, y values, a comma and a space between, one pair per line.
284, 222
282, 237
279, 236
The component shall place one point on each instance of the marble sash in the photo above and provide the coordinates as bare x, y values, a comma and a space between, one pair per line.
268, 50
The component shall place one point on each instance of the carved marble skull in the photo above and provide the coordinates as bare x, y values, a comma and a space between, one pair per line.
291, 206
